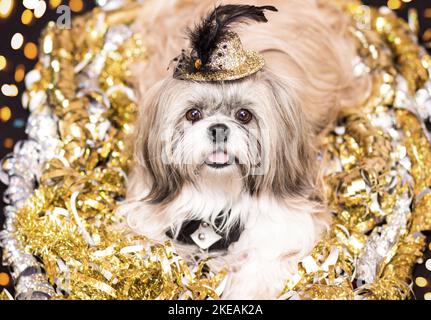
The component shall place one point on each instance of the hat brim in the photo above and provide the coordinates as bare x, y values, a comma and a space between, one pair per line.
253, 63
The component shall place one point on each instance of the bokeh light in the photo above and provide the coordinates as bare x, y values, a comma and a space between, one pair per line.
27, 16
3, 63
17, 41
30, 4
5, 114
19, 123
76, 5
9, 90
4, 279
8, 143
39, 11
47, 45
54, 3
6, 7
30, 50
19, 73
394, 4
421, 282
428, 264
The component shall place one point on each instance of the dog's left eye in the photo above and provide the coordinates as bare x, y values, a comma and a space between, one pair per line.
194, 115
244, 116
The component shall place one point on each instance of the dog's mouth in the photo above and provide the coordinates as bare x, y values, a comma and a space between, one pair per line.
219, 160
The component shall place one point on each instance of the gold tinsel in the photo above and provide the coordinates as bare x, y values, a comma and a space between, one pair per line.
69, 221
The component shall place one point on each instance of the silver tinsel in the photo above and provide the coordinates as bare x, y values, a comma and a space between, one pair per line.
22, 169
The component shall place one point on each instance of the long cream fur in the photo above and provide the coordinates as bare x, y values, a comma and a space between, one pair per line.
308, 78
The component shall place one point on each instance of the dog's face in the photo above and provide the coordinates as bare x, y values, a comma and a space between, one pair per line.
252, 130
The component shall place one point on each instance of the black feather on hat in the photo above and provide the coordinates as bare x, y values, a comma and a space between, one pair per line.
216, 52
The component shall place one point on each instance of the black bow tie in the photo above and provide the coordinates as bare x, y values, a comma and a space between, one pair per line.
190, 226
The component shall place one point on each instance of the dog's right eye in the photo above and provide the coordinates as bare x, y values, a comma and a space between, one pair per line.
194, 115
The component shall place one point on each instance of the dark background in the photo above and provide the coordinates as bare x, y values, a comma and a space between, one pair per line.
13, 116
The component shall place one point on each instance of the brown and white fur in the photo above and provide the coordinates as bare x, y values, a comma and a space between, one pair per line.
307, 79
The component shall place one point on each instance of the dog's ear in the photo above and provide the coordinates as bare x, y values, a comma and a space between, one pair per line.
294, 150
290, 153
162, 179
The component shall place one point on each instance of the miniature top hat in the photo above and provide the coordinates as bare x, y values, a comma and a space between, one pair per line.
216, 53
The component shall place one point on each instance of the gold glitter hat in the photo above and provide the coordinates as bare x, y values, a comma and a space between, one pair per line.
216, 52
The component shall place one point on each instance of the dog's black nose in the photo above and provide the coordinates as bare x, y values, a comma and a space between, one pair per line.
218, 133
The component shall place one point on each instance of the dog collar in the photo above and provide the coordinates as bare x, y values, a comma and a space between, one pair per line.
200, 233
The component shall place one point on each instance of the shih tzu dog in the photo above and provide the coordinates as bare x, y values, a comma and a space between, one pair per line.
226, 144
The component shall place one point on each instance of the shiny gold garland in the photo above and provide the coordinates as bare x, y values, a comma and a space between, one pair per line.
68, 222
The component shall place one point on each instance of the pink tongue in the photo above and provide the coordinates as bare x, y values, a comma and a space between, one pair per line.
218, 158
